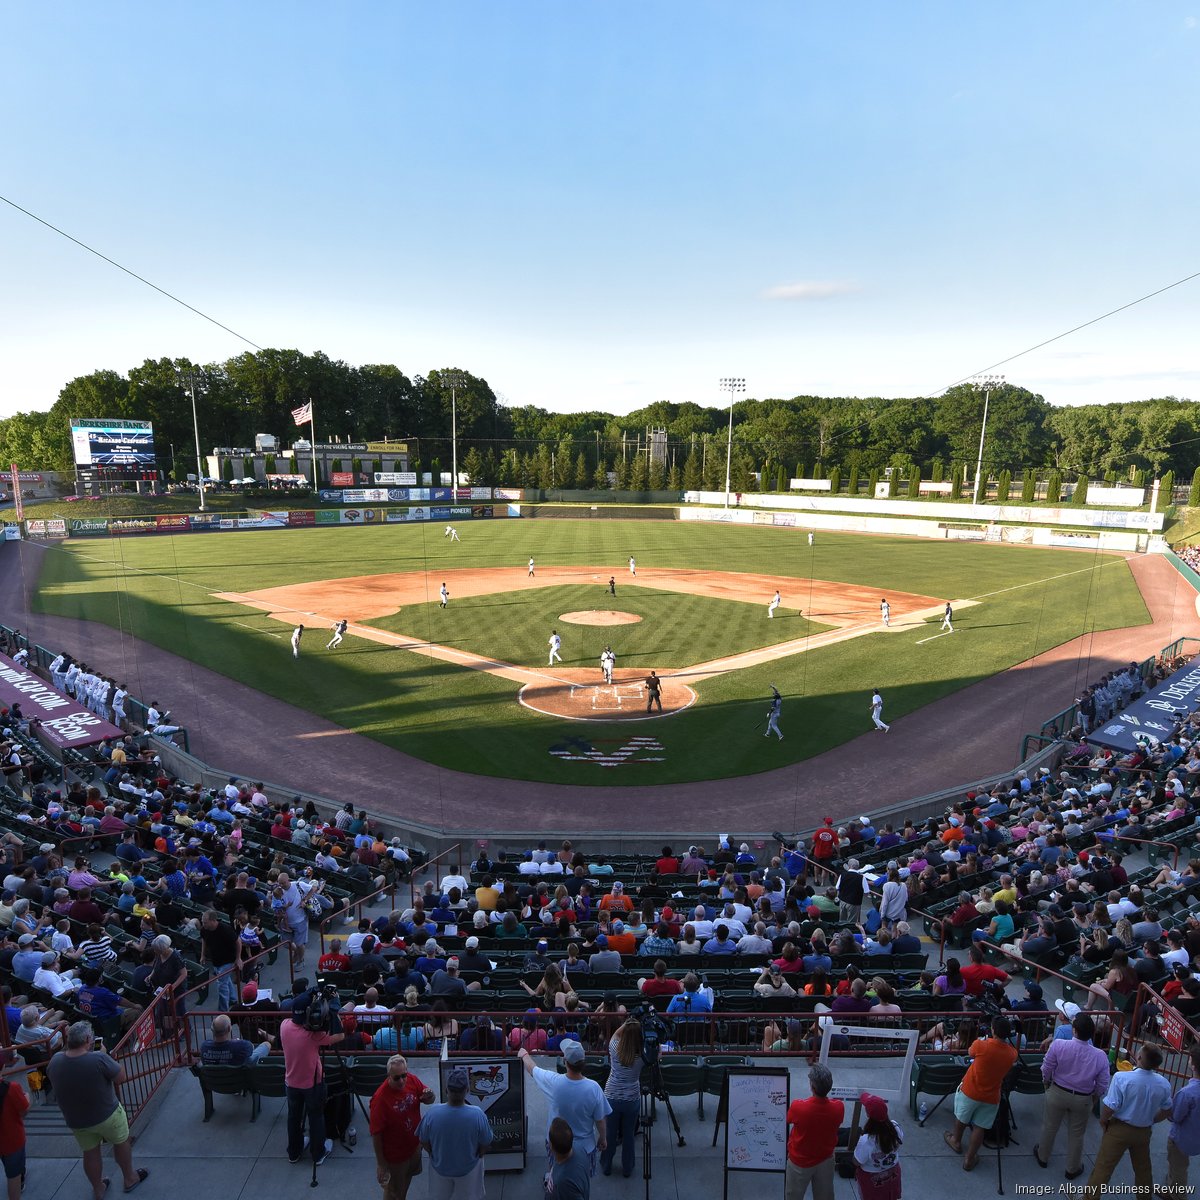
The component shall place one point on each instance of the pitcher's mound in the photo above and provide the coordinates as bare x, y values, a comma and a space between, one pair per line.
582, 695
600, 616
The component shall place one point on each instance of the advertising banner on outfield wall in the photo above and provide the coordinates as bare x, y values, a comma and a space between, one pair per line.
88, 526
63, 722
169, 524
1154, 714
121, 526
397, 478
330, 496
327, 516
342, 478
510, 493
298, 516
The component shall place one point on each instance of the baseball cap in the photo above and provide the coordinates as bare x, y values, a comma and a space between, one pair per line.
458, 1080
26, 939
1033, 988
572, 1052
472, 943
618, 926
46, 847
864, 820
875, 1106
1068, 1009
250, 992
543, 944
601, 941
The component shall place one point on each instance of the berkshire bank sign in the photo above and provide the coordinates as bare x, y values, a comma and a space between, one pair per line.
1153, 715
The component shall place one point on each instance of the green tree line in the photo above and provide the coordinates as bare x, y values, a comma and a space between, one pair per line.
807, 435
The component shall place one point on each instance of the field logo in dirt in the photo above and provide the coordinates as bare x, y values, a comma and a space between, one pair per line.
610, 752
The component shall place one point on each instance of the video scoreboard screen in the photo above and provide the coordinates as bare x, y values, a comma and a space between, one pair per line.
114, 451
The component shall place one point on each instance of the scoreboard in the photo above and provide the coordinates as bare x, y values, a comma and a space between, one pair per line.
113, 451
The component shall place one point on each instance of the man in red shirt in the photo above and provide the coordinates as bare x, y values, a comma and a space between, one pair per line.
335, 960
812, 1138
668, 864
825, 842
395, 1115
13, 1107
660, 983
977, 972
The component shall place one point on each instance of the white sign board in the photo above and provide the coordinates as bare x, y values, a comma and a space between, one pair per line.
888, 1074
756, 1119
811, 485
1118, 497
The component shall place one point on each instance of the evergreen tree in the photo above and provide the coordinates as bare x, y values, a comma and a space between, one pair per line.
600, 476
621, 473
638, 475
938, 475
1165, 491
1110, 477
1054, 487
1194, 494
781, 479
691, 472
914, 482
472, 466
545, 478
1028, 485
656, 476
269, 464
835, 481
872, 482
894, 483
956, 482
852, 485
674, 479
1079, 495
713, 468
1003, 486
582, 475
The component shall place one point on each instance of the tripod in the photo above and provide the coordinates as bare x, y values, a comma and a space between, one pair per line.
344, 1087
654, 1089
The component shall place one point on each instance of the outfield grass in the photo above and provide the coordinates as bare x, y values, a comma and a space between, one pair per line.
159, 588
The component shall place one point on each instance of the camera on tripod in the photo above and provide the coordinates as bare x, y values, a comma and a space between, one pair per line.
990, 1001
322, 1012
655, 1031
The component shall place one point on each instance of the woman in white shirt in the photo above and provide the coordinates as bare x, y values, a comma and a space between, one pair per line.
877, 1152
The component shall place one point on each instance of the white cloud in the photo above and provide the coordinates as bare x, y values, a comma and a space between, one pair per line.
1191, 22
810, 289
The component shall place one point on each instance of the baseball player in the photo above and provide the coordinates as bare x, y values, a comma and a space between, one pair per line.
119, 698
810, 537
773, 605
445, 594
885, 611
612, 585
773, 714
947, 618
632, 566
877, 710
452, 534
555, 646
608, 660
531, 566
339, 631
653, 692
297, 634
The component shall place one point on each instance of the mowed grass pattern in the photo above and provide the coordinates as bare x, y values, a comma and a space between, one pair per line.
676, 630
159, 588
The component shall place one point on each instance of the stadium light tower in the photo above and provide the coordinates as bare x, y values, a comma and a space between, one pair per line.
188, 379
453, 380
733, 387
986, 384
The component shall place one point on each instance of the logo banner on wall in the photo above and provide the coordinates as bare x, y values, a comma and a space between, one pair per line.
63, 723
1154, 714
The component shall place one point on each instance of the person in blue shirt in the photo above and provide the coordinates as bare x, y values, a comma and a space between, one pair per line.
1183, 1138
1134, 1103
720, 942
693, 998
99, 1003
129, 852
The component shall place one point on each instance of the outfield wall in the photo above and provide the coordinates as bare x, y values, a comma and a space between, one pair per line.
987, 514
1103, 539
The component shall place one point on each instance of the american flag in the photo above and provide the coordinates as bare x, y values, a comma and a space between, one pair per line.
303, 414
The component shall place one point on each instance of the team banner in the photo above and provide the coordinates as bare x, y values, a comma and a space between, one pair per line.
497, 1086
62, 722
1154, 714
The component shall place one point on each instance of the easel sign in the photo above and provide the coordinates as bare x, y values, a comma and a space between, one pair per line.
496, 1085
754, 1104
889, 1074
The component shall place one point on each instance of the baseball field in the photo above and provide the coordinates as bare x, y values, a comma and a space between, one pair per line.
469, 685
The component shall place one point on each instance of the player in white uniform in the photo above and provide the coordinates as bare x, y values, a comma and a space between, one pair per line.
877, 710
339, 631
452, 534
947, 618
773, 605
445, 595
608, 660
119, 698
297, 634
555, 646
773, 714
885, 611
810, 537
531, 566
632, 566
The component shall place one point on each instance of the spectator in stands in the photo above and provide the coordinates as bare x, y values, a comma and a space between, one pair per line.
756, 942
977, 1101
223, 1049
660, 984
50, 979
694, 998
658, 943
813, 1126
83, 1083
621, 940
853, 1002
482, 1037
773, 984
604, 959
100, 1004
978, 972
1121, 980
333, 959
1076, 1075
904, 940
720, 943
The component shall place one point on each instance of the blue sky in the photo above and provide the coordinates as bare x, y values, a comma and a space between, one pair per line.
602, 205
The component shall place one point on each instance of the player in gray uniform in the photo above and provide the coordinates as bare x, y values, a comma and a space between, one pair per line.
773, 714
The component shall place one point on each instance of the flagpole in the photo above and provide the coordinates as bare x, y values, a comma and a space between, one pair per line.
312, 429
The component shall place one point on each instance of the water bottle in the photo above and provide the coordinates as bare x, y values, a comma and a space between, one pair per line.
923, 1112
351, 1136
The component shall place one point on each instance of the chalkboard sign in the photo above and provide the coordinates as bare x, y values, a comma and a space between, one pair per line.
755, 1104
